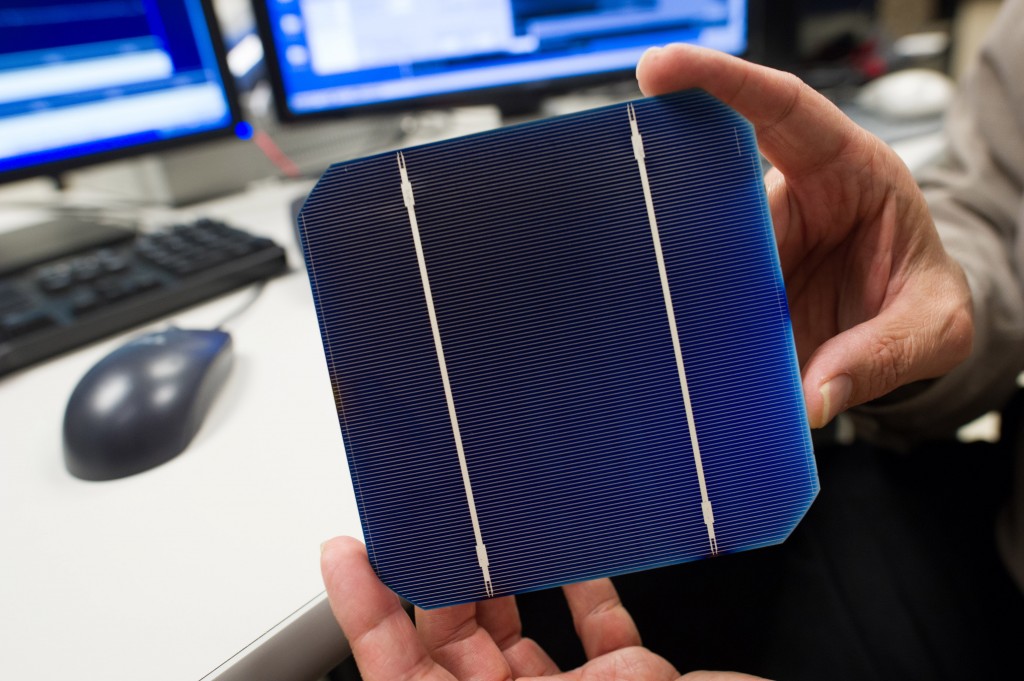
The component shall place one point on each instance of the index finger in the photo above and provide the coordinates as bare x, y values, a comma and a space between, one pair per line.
798, 129
602, 622
383, 638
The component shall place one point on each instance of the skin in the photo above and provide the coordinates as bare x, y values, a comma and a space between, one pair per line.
876, 303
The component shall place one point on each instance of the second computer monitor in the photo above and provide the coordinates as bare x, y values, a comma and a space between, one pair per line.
330, 56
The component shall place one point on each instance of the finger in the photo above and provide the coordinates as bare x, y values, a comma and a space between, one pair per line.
602, 623
458, 643
923, 335
382, 637
500, 617
719, 676
625, 664
790, 250
785, 112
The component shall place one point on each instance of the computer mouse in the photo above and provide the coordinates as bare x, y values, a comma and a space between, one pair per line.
141, 405
908, 94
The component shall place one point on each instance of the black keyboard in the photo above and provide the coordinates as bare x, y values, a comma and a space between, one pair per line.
59, 305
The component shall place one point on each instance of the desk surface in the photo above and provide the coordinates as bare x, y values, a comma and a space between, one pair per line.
175, 572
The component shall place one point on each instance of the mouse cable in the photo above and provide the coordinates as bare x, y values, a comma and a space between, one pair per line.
255, 292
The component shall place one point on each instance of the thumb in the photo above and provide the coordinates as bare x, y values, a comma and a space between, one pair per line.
633, 662
906, 342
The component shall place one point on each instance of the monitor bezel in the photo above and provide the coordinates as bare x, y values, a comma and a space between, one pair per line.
497, 95
56, 168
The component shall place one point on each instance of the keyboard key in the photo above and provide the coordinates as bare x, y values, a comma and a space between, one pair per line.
86, 269
55, 282
112, 262
144, 281
17, 324
114, 289
85, 300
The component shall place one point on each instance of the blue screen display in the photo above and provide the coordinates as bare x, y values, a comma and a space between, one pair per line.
338, 54
84, 77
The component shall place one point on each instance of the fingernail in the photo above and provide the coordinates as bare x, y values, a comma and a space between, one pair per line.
323, 547
834, 396
650, 52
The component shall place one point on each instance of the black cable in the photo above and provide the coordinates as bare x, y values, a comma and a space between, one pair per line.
255, 290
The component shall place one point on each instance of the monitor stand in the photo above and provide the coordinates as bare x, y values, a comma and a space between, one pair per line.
515, 109
27, 246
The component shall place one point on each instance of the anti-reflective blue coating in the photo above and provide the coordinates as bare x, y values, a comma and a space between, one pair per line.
555, 301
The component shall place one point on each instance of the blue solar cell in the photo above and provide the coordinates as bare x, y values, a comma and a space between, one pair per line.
560, 350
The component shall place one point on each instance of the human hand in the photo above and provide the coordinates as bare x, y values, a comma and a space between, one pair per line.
481, 640
876, 301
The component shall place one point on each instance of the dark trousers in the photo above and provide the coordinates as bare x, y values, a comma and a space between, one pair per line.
893, 574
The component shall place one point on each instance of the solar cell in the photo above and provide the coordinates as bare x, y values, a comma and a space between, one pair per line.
560, 350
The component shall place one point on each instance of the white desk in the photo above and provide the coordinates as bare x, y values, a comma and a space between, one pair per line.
176, 572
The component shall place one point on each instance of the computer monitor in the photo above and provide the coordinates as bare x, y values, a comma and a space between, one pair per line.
83, 81
335, 56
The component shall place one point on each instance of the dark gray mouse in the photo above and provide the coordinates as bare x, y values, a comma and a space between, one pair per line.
141, 404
